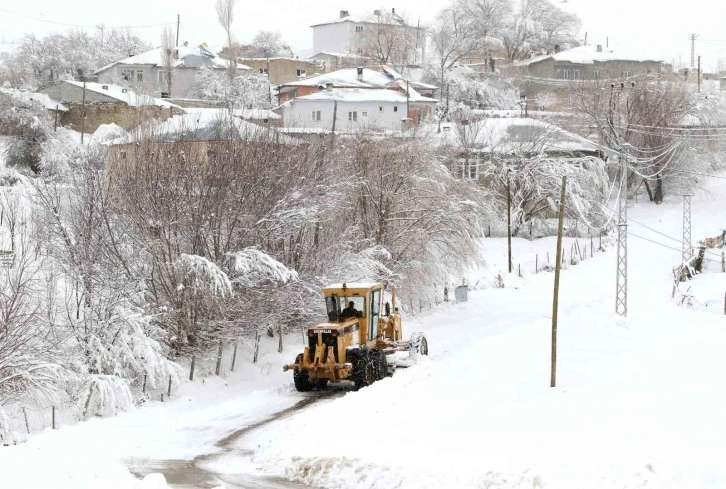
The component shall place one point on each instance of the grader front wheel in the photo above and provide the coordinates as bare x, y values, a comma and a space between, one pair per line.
301, 377
418, 345
363, 371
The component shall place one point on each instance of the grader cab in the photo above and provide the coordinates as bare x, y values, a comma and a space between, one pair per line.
354, 344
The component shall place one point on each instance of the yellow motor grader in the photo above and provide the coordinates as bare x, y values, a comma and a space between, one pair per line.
353, 345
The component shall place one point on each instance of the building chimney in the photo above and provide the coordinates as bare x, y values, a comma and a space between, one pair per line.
393, 11
329, 87
344, 14
360, 74
599, 48
557, 48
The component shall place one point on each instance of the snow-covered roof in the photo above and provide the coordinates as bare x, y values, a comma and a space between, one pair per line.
257, 114
354, 285
365, 95
348, 78
41, 98
203, 124
337, 55
589, 54
398, 20
123, 94
189, 57
516, 134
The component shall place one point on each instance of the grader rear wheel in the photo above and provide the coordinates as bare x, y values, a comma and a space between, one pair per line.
380, 364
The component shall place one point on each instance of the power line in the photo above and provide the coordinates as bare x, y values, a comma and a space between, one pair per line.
81, 25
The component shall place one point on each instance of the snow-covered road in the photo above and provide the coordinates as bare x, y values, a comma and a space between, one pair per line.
638, 400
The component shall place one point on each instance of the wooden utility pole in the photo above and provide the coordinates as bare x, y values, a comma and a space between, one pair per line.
55, 124
83, 110
178, 18
408, 100
558, 266
509, 226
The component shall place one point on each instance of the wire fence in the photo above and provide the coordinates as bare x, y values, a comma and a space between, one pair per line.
19, 419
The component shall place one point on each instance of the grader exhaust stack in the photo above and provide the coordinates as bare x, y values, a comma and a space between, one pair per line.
355, 344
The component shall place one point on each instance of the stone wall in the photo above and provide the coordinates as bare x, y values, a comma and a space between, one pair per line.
120, 114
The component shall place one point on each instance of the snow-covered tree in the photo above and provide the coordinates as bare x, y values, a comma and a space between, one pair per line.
245, 91
27, 124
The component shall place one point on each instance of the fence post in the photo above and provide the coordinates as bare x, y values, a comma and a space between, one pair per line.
548, 257
219, 358
519, 270
723, 261
279, 332
536, 263
257, 346
162, 397
592, 248
53, 417
143, 389
724, 304
27, 426
234, 356
169, 391
191, 370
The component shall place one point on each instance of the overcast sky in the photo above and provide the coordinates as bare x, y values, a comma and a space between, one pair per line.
653, 26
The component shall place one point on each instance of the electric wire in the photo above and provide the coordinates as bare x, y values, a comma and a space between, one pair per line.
67, 24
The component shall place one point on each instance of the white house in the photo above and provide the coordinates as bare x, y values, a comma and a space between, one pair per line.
357, 109
148, 71
347, 34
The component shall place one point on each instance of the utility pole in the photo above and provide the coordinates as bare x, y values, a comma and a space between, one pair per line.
408, 100
699, 74
83, 110
555, 299
621, 288
693, 38
509, 224
686, 252
178, 18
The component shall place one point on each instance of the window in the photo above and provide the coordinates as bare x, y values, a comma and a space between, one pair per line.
335, 306
316, 115
300, 72
263, 71
627, 74
123, 154
375, 313
380, 108
395, 109
353, 116
576, 74
566, 74
162, 77
364, 114
359, 28
468, 170
132, 75
596, 74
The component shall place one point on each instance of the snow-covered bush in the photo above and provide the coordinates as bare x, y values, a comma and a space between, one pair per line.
245, 91
28, 125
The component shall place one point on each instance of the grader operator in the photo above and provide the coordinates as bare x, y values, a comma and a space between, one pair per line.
353, 345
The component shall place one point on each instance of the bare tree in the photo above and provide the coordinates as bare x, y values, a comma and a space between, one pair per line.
451, 38
225, 17
170, 54
387, 39
643, 113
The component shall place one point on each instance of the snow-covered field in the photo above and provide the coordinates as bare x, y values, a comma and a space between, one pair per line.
637, 404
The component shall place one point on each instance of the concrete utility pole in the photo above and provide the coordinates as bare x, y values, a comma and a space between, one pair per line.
621, 286
699, 74
509, 224
693, 38
555, 299
686, 251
